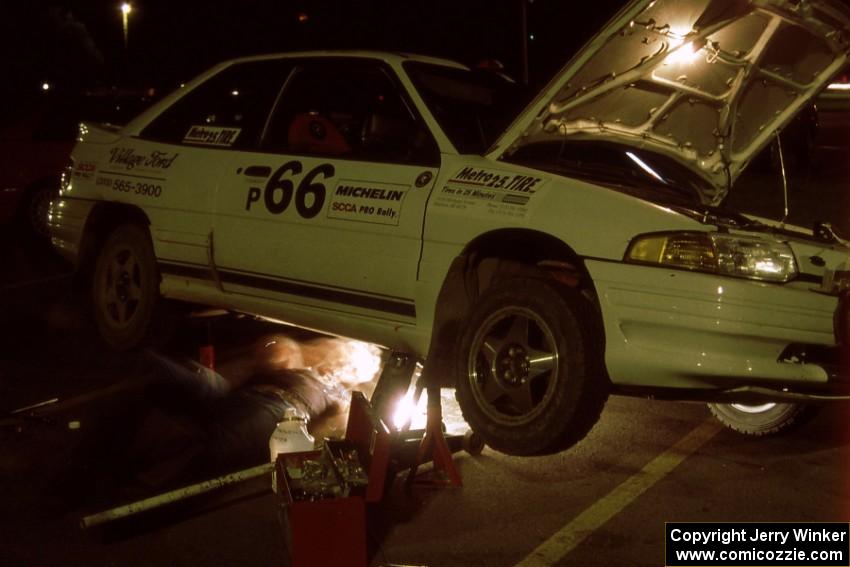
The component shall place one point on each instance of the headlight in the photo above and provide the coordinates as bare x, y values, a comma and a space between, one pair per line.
725, 254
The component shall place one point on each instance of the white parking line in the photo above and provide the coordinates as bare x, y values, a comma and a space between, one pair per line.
571, 535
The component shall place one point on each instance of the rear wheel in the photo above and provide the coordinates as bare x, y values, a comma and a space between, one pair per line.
762, 419
125, 288
528, 382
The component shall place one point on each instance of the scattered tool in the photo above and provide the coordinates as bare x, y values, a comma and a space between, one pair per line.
174, 496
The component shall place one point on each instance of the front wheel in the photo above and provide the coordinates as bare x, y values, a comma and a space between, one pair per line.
125, 288
762, 419
529, 380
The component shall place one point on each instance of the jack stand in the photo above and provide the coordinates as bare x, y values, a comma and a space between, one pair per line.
206, 350
434, 443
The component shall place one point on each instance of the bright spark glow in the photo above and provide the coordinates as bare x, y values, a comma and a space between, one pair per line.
234, 93
126, 8
350, 362
45, 86
679, 51
645, 167
406, 412
683, 55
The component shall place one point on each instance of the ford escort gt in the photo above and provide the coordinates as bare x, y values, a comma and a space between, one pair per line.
536, 265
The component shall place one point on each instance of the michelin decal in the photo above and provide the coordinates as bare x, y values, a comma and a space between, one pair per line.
489, 192
378, 203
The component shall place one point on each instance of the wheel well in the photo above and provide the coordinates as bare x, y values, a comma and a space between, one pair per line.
488, 259
103, 219
49, 181
30, 188
22, 207
512, 252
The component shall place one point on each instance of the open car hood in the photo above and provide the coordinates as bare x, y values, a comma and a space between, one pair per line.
706, 82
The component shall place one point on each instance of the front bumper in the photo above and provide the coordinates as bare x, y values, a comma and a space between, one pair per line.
684, 335
67, 221
833, 360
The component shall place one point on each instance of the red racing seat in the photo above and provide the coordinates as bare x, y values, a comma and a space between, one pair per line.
312, 133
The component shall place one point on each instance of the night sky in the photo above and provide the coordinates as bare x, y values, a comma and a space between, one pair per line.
79, 44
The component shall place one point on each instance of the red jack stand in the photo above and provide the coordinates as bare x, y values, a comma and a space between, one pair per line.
434, 443
206, 352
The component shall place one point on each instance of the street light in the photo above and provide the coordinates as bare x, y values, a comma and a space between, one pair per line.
126, 8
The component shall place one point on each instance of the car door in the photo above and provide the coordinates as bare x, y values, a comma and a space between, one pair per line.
329, 212
177, 160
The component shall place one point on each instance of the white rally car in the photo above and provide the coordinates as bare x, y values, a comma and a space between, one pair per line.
537, 265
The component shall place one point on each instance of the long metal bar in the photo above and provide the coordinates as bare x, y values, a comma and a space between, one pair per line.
784, 177
174, 496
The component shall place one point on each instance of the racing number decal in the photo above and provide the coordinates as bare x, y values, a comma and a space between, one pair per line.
317, 190
277, 195
278, 191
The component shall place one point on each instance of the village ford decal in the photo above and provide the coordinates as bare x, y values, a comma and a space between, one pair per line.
129, 159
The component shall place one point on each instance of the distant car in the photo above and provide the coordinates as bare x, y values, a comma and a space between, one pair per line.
537, 266
35, 147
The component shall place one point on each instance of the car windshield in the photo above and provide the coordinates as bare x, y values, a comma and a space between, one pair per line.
644, 174
473, 107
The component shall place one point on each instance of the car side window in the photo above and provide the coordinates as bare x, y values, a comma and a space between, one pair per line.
348, 110
228, 111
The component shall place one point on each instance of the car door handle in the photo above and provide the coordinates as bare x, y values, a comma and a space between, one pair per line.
258, 171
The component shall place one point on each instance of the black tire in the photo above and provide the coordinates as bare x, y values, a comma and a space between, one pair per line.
33, 211
125, 288
762, 419
514, 407
473, 444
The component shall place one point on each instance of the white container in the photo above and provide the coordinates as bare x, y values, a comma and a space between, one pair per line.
290, 436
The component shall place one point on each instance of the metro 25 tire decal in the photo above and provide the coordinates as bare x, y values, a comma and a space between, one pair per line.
279, 189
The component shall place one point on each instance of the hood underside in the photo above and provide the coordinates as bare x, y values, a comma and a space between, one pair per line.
706, 82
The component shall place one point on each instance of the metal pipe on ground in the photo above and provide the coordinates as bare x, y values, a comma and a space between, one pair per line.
174, 496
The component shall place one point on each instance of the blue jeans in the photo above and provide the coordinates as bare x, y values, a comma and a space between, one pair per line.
232, 427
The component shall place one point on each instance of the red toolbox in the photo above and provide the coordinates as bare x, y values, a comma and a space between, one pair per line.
322, 495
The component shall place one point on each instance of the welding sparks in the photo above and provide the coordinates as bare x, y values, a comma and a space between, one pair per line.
350, 362
346, 365
406, 410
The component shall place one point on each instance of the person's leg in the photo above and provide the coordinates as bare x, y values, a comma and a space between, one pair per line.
187, 380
